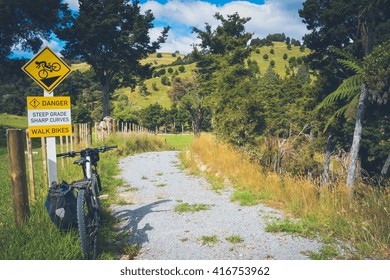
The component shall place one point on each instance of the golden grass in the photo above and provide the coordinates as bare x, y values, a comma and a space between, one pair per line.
362, 219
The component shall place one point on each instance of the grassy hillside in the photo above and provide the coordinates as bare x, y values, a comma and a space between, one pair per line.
82, 67
160, 96
166, 59
158, 92
11, 121
280, 49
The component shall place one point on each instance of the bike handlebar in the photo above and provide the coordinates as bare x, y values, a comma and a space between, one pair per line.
74, 153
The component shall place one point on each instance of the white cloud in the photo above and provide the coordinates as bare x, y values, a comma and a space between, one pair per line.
274, 16
175, 42
190, 13
73, 4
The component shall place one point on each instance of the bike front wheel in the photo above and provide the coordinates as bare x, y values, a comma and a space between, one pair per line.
87, 219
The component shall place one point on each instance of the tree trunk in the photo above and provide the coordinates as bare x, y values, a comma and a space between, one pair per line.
196, 122
357, 135
106, 97
385, 167
327, 160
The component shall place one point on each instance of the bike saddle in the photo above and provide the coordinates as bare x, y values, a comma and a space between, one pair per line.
82, 161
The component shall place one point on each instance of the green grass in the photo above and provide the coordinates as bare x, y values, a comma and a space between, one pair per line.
160, 96
12, 121
82, 67
185, 207
208, 240
235, 239
245, 198
308, 226
280, 49
179, 141
327, 252
166, 59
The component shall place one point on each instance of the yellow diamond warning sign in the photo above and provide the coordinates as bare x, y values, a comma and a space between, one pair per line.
49, 116
47, 69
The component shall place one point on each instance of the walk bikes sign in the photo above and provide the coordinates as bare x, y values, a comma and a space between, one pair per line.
47, 69
49, 116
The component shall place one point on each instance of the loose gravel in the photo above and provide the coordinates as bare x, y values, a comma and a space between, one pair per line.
157, 185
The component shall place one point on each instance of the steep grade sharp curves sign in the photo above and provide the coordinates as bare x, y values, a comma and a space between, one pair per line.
47, 69
49, 116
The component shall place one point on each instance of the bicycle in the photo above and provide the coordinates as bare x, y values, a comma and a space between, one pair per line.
88, 204
46, 68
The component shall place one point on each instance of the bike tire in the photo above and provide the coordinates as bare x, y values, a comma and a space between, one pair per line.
55, 67
43, 74
87, 223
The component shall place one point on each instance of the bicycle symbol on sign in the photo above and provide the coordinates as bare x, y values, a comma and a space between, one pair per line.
46, 68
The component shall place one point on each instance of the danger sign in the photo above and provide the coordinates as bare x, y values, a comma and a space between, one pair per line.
49, 116
47, 69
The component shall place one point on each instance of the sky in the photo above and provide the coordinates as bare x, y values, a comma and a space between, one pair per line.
267, 17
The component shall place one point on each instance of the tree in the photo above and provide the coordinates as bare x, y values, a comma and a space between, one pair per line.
26, 23
351, 26
226, 80
112, 36
186, 94
153, 117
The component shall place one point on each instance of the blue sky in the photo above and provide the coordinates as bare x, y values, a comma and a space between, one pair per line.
267, 16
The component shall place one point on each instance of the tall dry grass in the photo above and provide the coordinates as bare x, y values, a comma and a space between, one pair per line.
362, 219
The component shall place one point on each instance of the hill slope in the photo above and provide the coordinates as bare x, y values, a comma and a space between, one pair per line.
155, 91
160, 96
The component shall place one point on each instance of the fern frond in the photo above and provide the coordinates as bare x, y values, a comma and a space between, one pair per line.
350, 113
355, 66
346, 91
336, 115
345, 55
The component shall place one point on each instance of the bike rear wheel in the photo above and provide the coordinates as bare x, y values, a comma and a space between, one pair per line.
87, 218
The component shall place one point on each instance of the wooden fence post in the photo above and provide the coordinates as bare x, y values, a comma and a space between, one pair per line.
89, 133
76, 134
44, 160
30, 167
61, 151
15, 142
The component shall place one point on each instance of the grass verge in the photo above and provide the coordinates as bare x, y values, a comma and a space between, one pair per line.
38, 238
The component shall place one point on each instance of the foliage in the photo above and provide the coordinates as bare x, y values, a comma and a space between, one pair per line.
26, 24
186, 95
153, 117
376, 73
15, 87
112, 36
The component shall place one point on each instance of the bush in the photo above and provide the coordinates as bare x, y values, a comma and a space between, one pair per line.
159, 55
265, 57
165, 81
182, 69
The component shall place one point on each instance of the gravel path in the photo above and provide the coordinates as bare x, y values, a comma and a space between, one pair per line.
158, 185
